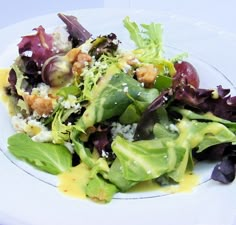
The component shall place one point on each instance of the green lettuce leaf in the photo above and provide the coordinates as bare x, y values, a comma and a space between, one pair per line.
209, 116
116, 177
94, 162
150, 36
60, 131
69, 90
201, 135
148, 39
144, 160
51, 158
170, 153
84, 153
20, 79
111, 97
98, 189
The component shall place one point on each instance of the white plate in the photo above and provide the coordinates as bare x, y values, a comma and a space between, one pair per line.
27, 200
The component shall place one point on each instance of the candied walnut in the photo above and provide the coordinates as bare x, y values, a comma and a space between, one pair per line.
132, 61
78, 59
81, 60
72, 54
147, 74
43, 106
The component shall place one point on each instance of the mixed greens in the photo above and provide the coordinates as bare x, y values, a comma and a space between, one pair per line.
129, 116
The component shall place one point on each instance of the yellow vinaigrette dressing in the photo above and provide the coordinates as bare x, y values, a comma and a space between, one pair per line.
73, 183
7, 100
4, 83
189, 181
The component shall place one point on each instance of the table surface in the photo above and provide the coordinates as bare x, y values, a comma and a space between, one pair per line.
215, 13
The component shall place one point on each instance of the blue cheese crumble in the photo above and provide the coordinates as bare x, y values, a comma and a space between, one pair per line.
36, 130
126, 131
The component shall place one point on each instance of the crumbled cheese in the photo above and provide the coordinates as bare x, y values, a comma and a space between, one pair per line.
103, 66
165, 98
36, 130
43, 136
104, 154
126, 89
115, 41
172, 128
28, 53
70, 102
69, 146
41, 90
33, 127
126, 68
86, 46
127, 131
135, 61
35, 115
97, 63
60, 40
18, 123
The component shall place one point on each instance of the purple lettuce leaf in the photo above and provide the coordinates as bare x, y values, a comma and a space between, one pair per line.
198, 100
11, 89
101, 140
224, 106
12, 78
31, 72
77, 33
224, 171
40, 45
213, 153
149, 118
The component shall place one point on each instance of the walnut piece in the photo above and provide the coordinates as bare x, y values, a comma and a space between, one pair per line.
81, 61
43, 106
78, 59
147, 74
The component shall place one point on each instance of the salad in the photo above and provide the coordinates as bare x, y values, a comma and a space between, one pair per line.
122, 116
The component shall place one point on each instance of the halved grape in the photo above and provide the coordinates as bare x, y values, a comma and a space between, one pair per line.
185, 72
56, 71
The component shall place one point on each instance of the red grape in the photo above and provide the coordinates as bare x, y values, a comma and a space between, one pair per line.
56, 71
185, 73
